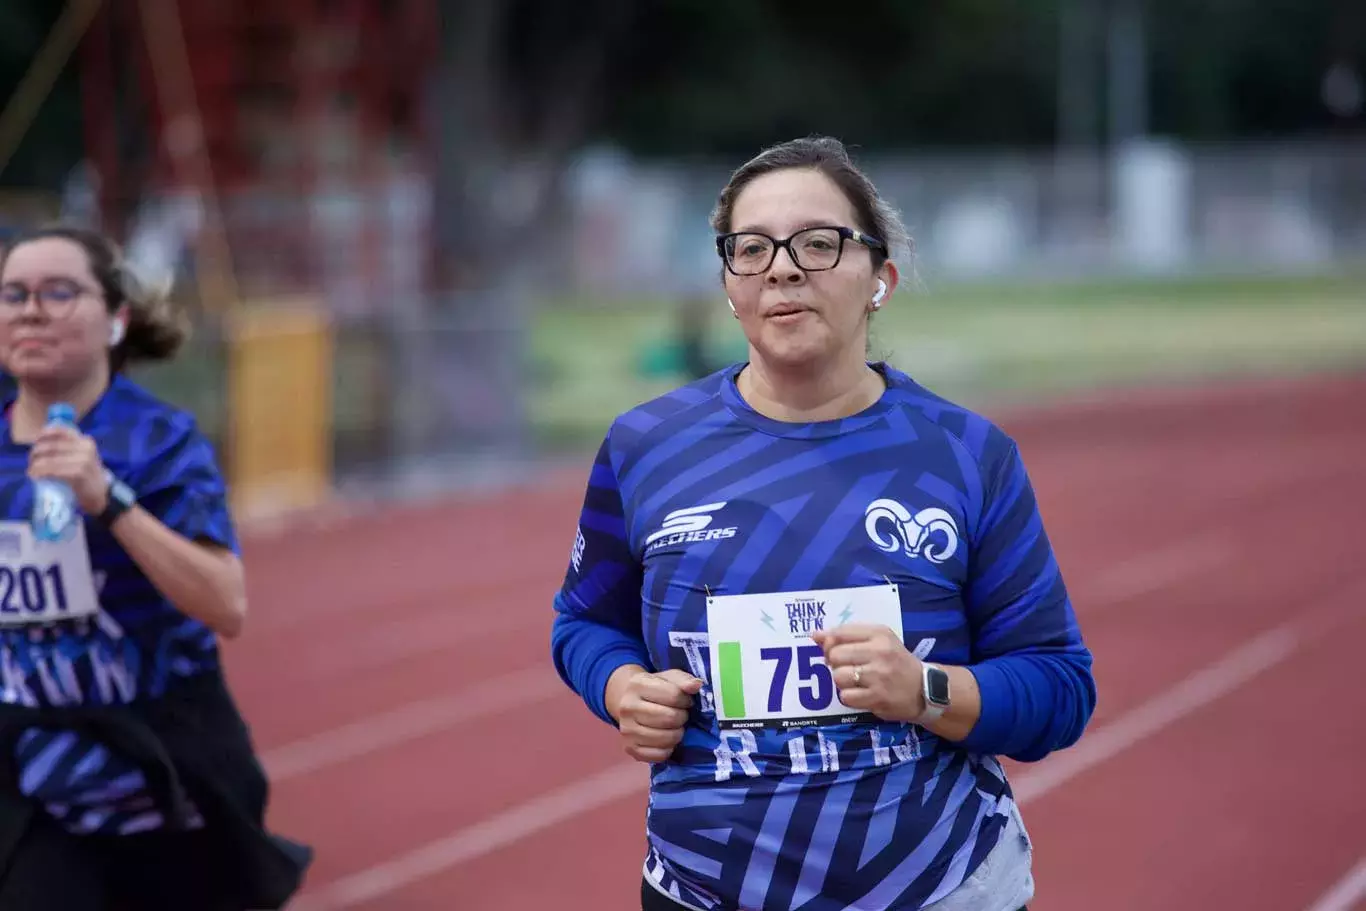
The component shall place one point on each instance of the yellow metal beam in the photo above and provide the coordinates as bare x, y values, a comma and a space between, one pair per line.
280, 406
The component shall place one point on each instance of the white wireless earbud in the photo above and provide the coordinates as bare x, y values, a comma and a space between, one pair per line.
732, 307
879, 294
115, 333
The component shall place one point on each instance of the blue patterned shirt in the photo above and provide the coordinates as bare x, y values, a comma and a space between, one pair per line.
136, 643
695, 500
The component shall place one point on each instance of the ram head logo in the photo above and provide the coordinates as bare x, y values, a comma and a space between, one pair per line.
930, 533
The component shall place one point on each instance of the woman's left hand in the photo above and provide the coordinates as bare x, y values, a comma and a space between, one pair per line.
874, 671
64, 454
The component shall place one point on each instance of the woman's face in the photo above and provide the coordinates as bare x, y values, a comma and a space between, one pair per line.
794, 318
54, 320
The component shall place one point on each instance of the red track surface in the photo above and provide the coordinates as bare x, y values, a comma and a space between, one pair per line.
1191, 525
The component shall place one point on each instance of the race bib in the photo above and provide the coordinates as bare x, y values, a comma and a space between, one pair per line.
44, 582
767, 671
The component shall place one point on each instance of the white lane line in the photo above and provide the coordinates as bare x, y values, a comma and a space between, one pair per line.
411, 721
1190, 695
1347, 893
394, 641
1154, 570
1206, 685
561, 805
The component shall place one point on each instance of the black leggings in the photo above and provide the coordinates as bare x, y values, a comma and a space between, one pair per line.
152, 871
651, 899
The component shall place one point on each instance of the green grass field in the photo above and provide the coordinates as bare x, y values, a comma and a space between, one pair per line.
987, 344
977, 344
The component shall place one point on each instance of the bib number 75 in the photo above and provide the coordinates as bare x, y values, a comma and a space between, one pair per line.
815, 683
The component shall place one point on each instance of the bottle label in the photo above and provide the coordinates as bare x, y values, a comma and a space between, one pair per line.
54, 514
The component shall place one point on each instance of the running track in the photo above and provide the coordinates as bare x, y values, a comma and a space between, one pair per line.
396, 674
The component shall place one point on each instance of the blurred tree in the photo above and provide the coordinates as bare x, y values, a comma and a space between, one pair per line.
708, 79
703, 78
52, 145
518, 87
693, 77
516, 91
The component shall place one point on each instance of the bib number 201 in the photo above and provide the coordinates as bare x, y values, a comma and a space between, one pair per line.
32, 591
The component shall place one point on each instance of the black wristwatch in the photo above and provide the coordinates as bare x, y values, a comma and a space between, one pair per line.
119, 500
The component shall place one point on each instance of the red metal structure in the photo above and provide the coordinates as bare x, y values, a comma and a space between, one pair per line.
286, 94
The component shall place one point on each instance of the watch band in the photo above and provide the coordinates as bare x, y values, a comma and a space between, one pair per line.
119, 500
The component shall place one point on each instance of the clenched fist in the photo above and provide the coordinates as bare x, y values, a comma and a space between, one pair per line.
651, 710
874, 671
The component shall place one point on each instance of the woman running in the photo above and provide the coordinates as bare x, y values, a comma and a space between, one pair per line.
127, 777
817, 598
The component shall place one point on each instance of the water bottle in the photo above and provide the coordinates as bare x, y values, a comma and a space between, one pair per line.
55, 512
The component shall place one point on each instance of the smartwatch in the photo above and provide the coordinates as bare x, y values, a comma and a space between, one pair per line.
120, 499
935, 685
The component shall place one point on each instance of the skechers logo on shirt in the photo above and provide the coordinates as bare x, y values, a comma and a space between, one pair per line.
688, 526
576, 552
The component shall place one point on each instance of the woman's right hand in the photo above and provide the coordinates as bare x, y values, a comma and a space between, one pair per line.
651, 710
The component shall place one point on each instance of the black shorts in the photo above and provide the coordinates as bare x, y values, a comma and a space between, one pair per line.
152, 871
651, 899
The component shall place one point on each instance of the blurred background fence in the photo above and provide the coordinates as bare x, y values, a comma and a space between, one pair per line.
1031, 271
495, 213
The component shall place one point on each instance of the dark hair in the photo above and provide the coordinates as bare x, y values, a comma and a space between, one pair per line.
156, 327
828, 156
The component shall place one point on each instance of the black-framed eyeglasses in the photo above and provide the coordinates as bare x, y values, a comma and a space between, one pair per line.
56, 298
813, 249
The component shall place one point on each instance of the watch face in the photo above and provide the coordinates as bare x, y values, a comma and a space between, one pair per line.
938, 686
122, 493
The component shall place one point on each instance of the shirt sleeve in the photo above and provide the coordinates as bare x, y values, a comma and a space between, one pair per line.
1031, 665
597, 626
182, 486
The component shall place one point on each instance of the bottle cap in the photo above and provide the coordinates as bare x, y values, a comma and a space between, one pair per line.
61, 413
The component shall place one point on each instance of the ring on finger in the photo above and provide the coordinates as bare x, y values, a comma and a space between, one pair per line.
858, 676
